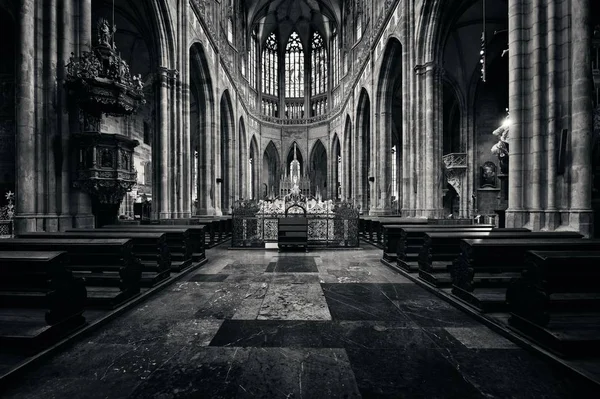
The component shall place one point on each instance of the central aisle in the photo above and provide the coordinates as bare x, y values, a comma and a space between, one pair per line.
312, 325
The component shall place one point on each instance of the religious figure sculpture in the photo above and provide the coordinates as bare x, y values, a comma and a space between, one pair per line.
105, 32
500, 149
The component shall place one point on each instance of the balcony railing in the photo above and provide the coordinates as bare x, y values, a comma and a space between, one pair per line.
455, 161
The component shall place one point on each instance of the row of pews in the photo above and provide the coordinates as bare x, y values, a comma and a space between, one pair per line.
48, 280
547, 283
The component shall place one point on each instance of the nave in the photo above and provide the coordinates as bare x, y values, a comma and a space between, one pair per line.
318, 324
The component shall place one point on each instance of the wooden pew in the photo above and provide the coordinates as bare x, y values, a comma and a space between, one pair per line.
380, 238
556, 301
196, 233
214, 226
441, 248
391, 236
211, 227
485, 267
178, 240
149, 247
40, 299
111, 272
411, 239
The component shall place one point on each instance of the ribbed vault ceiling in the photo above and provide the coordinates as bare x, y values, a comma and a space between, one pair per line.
285, 16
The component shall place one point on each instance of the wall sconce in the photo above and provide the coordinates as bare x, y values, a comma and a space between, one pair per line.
219, 180
371, 179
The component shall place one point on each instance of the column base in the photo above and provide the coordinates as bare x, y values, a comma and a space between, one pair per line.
581, 220
51, 223
380, 212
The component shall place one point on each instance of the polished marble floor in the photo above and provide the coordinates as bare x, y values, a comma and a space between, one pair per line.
322, 324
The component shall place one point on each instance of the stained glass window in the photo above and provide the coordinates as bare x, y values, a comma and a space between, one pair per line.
319, 66
270, 66
294, 67
230, 30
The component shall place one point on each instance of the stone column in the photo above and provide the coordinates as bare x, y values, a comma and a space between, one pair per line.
160, 150
85, 25
552, 217
25, 137
516, 59
537, 130
384, 161
581, 216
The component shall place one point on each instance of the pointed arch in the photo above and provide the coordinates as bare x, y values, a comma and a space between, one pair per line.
363, 141
335, 180
318, 169
254, 172
388, 140
347, 184
202, 139
299, 156
270, 173
242, 150
227, 136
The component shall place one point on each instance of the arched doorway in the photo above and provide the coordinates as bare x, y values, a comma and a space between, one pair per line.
318, 170
363, 132
336, 168
202, 140
389, 130
226, 179
254, 162
270, 175
347, 166
242, 191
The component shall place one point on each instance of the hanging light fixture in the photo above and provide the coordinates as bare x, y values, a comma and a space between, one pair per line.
483, 49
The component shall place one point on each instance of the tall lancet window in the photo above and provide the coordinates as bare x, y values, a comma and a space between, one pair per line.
252, 60
270, 66
318, 66
335, 59
294, 67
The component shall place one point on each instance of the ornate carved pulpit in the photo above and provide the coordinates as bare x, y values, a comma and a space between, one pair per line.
99, 83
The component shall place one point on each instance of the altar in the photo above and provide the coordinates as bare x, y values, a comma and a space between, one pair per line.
329, 223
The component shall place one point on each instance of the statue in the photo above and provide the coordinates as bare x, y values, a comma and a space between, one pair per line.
500, 149
105, 32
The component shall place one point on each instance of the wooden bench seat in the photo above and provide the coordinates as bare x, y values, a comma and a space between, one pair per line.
178, 240
441, 248
211, 227
410, 240
40, 299
556, 300
221, 227
112, 273
374, 227
497, 257
196, 241
149, 247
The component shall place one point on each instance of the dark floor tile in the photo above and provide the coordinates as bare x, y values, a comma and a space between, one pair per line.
209, 278
293, 264
297, 373
516, 373
380, 335
274, 333
194, 372
408, 373
360, 302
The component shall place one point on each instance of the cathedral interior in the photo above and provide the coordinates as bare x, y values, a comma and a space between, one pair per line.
299, 198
